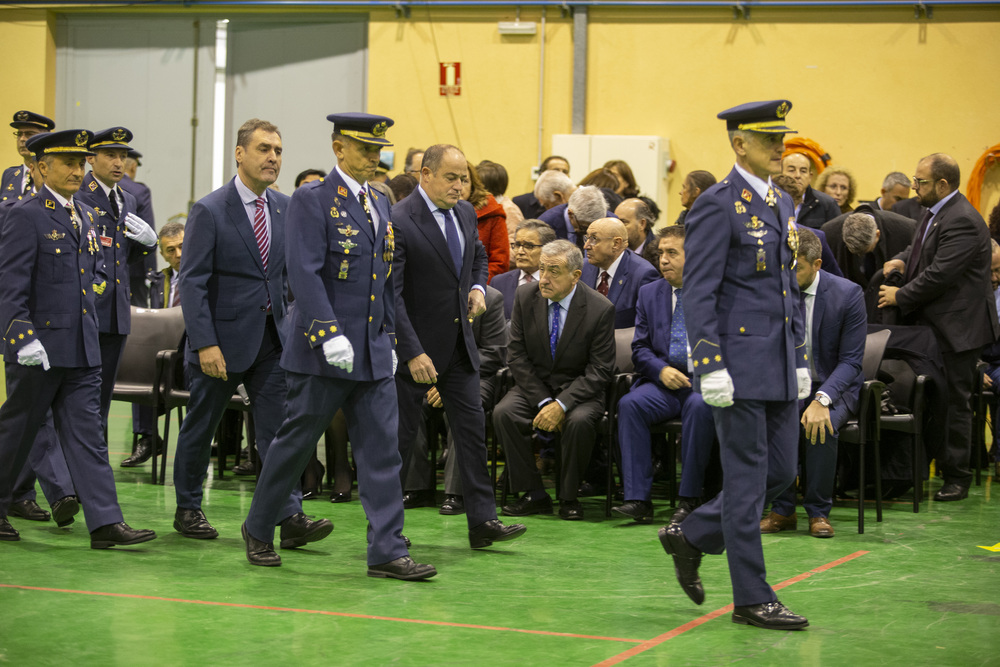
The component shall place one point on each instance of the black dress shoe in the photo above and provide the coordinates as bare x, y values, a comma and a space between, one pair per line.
686, 561
340, 497
524, 507
28, 509
143, 450
402, 568
640, 511
684, 507
951, 491
64, 509
770, 616
452, 505
7, 532
588, 489
119, 535
570, 510
245, 468
299, 530
193, 524
259, 553
492, 531
413, 499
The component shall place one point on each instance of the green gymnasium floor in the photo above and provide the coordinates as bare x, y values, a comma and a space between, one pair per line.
915, 590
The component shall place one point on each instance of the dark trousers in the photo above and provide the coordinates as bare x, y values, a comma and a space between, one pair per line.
265, 384
646, 404
112, 348
960, 377
459, 386
74, 396
47, 464
512, 423
757, 446
371, 420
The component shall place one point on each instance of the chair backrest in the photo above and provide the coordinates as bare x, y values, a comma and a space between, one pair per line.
623, 350
152, 331
875, 344
903, 383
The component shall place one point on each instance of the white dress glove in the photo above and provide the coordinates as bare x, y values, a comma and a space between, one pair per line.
395, 362
717, 388
137, 230
33, 354
339, 352
805, 382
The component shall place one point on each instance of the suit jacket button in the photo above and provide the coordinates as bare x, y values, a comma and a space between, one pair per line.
263, 308
456, 320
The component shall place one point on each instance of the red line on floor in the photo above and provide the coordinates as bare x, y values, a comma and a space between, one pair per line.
320, 612
691, 625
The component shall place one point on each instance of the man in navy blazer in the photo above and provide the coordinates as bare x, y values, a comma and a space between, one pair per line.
615, 271
529, 238
52, 268
663, 390
440, 269
232, 288
16, 181
125, 239
836, 324
144, 209
748, 353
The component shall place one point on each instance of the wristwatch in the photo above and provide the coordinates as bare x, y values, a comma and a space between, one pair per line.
822, 399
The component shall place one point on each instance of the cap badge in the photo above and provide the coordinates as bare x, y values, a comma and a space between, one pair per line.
118, 135
81, 139
782, 110
379, 129
22, 116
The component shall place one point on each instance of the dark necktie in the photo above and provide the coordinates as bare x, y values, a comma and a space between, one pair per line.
451, 236
602, 286
802, 308
364, 204
677, 353
113, 200
554, 335
918, 242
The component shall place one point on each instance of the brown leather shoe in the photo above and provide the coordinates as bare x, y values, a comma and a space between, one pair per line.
819, 526
775, 523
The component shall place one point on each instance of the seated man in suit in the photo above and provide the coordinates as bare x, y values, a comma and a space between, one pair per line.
531, 235
863, 240
812, 207
614, 270
663, 390
559, 379
571, 220
835, 344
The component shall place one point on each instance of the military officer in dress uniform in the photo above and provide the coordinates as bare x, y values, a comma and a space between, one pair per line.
340, 350
52, 268
125, 238
144, 209
747, 339
16, 181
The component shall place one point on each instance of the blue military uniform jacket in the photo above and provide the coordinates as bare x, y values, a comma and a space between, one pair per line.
340, 271
10, 184
633, 272
740, 290
113, 313
47, 285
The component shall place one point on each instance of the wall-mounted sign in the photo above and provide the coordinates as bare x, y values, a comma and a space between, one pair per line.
451, 79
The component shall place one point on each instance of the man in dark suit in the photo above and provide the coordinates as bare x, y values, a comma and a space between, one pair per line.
663, 390
53, 356
340, 351
947, 270
571, 220
864, 239
531, 204
232, 289
529, 238
895, 188
812, 208
144, 209
836, 325
562, 356
440, 269
911, 208
16, 181
748, 352
615, 271
125, 239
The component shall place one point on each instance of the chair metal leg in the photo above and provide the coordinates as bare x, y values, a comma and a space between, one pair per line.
918, 484
878, 480
861, 487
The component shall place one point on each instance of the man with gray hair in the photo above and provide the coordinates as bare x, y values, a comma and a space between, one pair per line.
553, 188
895, 188
571, 220
562, 356
864, 239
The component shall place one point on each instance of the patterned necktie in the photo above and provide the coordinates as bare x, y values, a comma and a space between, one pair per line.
602, 286
678, 352
528, 278
260, 231
554, 336
175, 298
364, 204
113, 200
451, 236
918, 243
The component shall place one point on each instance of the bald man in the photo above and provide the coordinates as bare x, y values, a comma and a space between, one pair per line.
614, 270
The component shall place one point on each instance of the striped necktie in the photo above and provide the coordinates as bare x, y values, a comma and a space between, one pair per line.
260, 231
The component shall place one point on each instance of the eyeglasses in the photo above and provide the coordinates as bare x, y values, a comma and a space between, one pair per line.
27, 134
526, 246
921, 181
592, 240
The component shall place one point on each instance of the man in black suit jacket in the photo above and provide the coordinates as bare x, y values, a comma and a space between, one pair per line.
864, 239
144, 209
814, 208
440, 271
562, 356
947, 269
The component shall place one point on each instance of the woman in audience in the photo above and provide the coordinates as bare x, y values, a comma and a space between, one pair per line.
606, 180
694, 184
839, 184
494, 178
627, 187
492, 223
